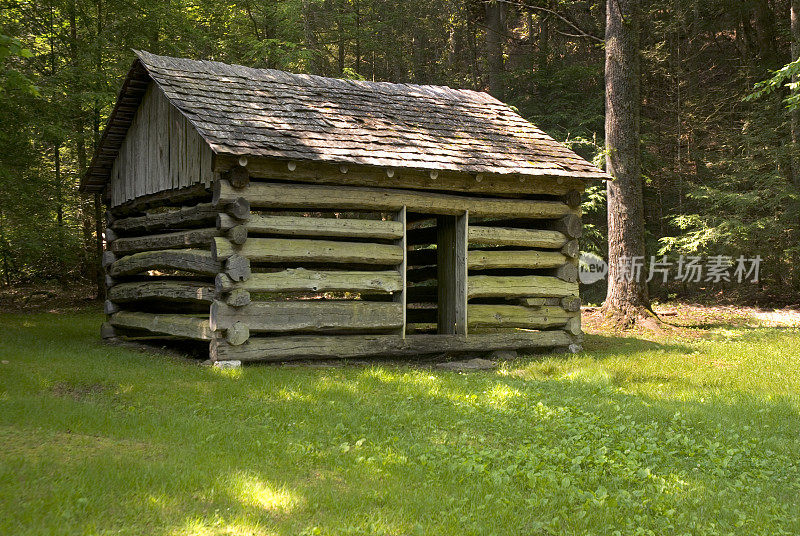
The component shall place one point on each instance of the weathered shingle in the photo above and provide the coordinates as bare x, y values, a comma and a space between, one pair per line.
263, 112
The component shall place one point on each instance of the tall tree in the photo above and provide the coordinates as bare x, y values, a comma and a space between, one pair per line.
795, 111
627, 298
495, 32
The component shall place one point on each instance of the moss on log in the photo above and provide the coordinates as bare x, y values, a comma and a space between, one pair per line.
307, 226
175, 291
309, 315
495, 286
187, 326
303, 280
355, 346
294, 250
489, 259
506, 236
277, 195
190, 260
517, 316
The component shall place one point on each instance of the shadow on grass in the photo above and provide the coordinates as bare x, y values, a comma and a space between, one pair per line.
604, 346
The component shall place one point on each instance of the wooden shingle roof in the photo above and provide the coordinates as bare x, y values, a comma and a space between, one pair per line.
263, 112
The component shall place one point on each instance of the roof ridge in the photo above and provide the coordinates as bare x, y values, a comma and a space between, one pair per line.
297, 78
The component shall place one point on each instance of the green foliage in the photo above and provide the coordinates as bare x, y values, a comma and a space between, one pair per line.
715, 157
781, 78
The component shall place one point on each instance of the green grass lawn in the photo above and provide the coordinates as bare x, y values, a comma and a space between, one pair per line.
631, 437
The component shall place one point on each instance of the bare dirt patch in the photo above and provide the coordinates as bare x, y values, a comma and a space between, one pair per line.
77, 392
52, 297
694, 321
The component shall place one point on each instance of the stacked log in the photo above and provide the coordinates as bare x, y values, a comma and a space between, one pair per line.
523, 272
310, 272
270, 271
159, 268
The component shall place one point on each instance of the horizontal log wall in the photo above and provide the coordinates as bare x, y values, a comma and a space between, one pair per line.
160, 270
313, 269
523, 273
286, 274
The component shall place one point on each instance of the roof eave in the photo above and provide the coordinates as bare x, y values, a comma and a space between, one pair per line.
120, 119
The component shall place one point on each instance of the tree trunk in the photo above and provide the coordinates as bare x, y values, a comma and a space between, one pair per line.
98, 203
341, 35
4, 253
98, 230
627, 298
795, 113
495, 30
59, 191
764, 24
543, 51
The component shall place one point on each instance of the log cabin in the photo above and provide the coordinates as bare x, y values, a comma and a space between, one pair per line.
284, 216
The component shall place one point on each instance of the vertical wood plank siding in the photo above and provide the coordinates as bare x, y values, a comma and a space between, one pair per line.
162, 151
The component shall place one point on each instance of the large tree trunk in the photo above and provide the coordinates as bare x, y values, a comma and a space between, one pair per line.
627, 298
495, 32
764, 24
795, 25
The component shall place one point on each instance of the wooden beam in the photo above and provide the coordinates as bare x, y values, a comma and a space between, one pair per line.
237, 267
355, 346
308, 226
573, 326
309, 315
493, 286
237, 297
301, 250
176, 240
196, 192
320, 173
488, 259
238, 207
176, 291
452, 274
200, 215
516, 316
573, 198
303, 280
567, 272
400, 297
277, 195
571, 303
571, 249
196, 261
505, 236
237, 334
186, 326
238, 176
237, 234
569, 225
